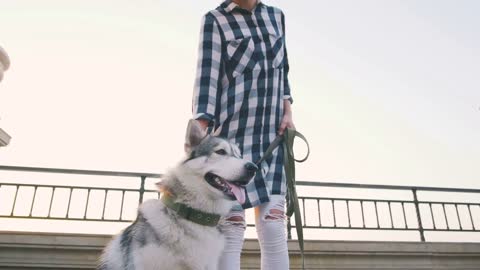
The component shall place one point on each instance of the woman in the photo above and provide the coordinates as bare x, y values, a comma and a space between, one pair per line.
242, 92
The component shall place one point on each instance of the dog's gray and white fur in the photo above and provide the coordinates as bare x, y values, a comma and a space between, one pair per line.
159, 239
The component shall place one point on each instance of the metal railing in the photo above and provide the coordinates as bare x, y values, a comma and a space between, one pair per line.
331, 212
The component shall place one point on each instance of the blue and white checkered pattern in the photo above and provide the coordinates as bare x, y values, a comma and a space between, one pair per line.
241, 84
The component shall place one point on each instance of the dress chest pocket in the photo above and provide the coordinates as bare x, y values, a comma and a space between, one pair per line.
277, 51
242, 56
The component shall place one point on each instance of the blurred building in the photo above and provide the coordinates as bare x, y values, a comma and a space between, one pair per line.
4, 65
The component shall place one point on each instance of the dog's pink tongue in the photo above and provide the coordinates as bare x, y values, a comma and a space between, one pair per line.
239, 192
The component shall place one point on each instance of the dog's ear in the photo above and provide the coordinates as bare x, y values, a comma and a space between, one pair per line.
195, 134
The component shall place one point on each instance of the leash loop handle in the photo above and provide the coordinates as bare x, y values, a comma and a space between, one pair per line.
279, 139
299, 135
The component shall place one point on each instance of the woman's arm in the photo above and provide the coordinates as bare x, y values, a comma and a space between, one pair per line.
208, 72
287, 120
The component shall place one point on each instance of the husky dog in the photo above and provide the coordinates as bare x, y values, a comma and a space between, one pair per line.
163, 237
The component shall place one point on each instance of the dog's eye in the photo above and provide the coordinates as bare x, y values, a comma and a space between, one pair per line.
221, 152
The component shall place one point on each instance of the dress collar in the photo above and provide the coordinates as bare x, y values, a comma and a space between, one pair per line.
229, 5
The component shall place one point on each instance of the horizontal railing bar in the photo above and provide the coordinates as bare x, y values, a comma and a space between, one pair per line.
384, 229
392, 187
381, 200
352, 228
66, 219
352, 199
360, 228
252, 225
77, 171
448, 203
450, 230
130, 220
76, 187
72, 187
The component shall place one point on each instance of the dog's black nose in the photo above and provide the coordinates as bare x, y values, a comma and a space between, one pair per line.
251, 167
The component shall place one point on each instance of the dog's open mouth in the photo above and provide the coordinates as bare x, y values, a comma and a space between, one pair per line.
232, 190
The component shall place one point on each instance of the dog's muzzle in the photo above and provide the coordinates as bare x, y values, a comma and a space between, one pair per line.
232, 189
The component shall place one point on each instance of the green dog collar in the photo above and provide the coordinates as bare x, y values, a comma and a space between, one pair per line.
192, 214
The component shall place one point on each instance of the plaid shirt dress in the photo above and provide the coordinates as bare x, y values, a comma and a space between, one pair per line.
241, 85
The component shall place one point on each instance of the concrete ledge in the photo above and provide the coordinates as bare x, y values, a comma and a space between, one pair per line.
69, 251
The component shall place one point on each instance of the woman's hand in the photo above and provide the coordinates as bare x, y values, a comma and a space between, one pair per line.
203, 123
287, 120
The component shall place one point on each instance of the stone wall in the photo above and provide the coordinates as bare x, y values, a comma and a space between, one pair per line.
68, 251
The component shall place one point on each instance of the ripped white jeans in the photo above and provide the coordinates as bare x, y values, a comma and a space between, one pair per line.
271, 231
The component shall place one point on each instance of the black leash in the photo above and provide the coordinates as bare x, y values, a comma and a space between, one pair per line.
287, 139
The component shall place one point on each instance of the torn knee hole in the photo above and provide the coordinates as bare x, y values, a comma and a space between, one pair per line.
275, 214
235, 219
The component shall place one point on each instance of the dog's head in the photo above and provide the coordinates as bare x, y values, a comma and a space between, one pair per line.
215, 164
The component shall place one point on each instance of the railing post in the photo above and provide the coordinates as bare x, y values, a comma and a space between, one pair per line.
419, 218
142, 188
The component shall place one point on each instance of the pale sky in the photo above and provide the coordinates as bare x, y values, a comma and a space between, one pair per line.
386, 91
